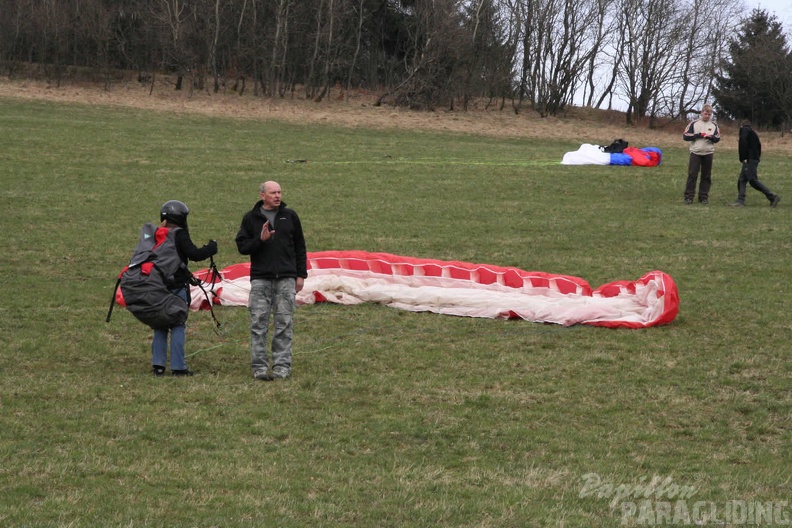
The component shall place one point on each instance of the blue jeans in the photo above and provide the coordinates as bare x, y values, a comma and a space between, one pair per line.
159, 345
276, 296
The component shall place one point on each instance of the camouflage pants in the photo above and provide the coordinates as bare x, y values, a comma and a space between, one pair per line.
275, 296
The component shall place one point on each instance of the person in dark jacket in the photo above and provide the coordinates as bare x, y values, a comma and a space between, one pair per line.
272, 235
173, 214
750, 151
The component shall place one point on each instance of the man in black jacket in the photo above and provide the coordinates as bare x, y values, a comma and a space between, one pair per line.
750, 150
272, 235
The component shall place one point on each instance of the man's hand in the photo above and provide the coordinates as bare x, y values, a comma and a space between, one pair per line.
298, 284
266, 233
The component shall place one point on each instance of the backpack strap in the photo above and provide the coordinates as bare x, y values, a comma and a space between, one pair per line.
112, 300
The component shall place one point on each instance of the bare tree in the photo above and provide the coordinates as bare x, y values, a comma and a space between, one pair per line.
505, 66
50, 40
473, 56
417, 53
533, 14
648, 60
329, 49
213, 47
15, 26
708, 21
431, 64
614, 52
171, 15
93, 21
601, 32
557, 49
360, 10
279, 46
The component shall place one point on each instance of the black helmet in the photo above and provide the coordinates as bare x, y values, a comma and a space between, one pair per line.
175, 212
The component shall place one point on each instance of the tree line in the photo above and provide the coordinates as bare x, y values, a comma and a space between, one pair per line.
656, 58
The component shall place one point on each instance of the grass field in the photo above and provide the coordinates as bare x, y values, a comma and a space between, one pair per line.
391, 418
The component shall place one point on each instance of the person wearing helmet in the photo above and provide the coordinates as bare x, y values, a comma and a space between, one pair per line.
173, 215
272, 235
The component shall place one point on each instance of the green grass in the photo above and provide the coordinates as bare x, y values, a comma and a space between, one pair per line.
391, 418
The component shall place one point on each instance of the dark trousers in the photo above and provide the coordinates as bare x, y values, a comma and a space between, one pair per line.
749, 175
704, 163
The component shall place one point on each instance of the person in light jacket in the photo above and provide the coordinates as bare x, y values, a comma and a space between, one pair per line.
702, 135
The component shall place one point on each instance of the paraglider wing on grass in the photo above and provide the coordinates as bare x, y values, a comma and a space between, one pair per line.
589, 154
465, 289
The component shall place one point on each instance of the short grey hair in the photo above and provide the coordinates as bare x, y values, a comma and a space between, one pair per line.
263, 186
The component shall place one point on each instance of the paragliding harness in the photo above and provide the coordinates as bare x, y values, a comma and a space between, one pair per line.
148, 284
617, 147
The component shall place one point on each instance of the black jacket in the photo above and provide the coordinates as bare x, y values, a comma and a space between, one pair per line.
283, 255
188, 251
749, 145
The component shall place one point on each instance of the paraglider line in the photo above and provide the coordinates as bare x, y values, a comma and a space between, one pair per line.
537, 163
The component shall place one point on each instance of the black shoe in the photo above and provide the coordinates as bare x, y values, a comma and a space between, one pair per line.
703, 201
738, 204
775, 201
185, 372
688, 201
158, 370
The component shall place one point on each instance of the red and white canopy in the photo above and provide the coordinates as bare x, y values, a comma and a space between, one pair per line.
464, 289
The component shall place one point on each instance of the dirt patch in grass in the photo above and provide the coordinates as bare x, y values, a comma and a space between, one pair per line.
358, 110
